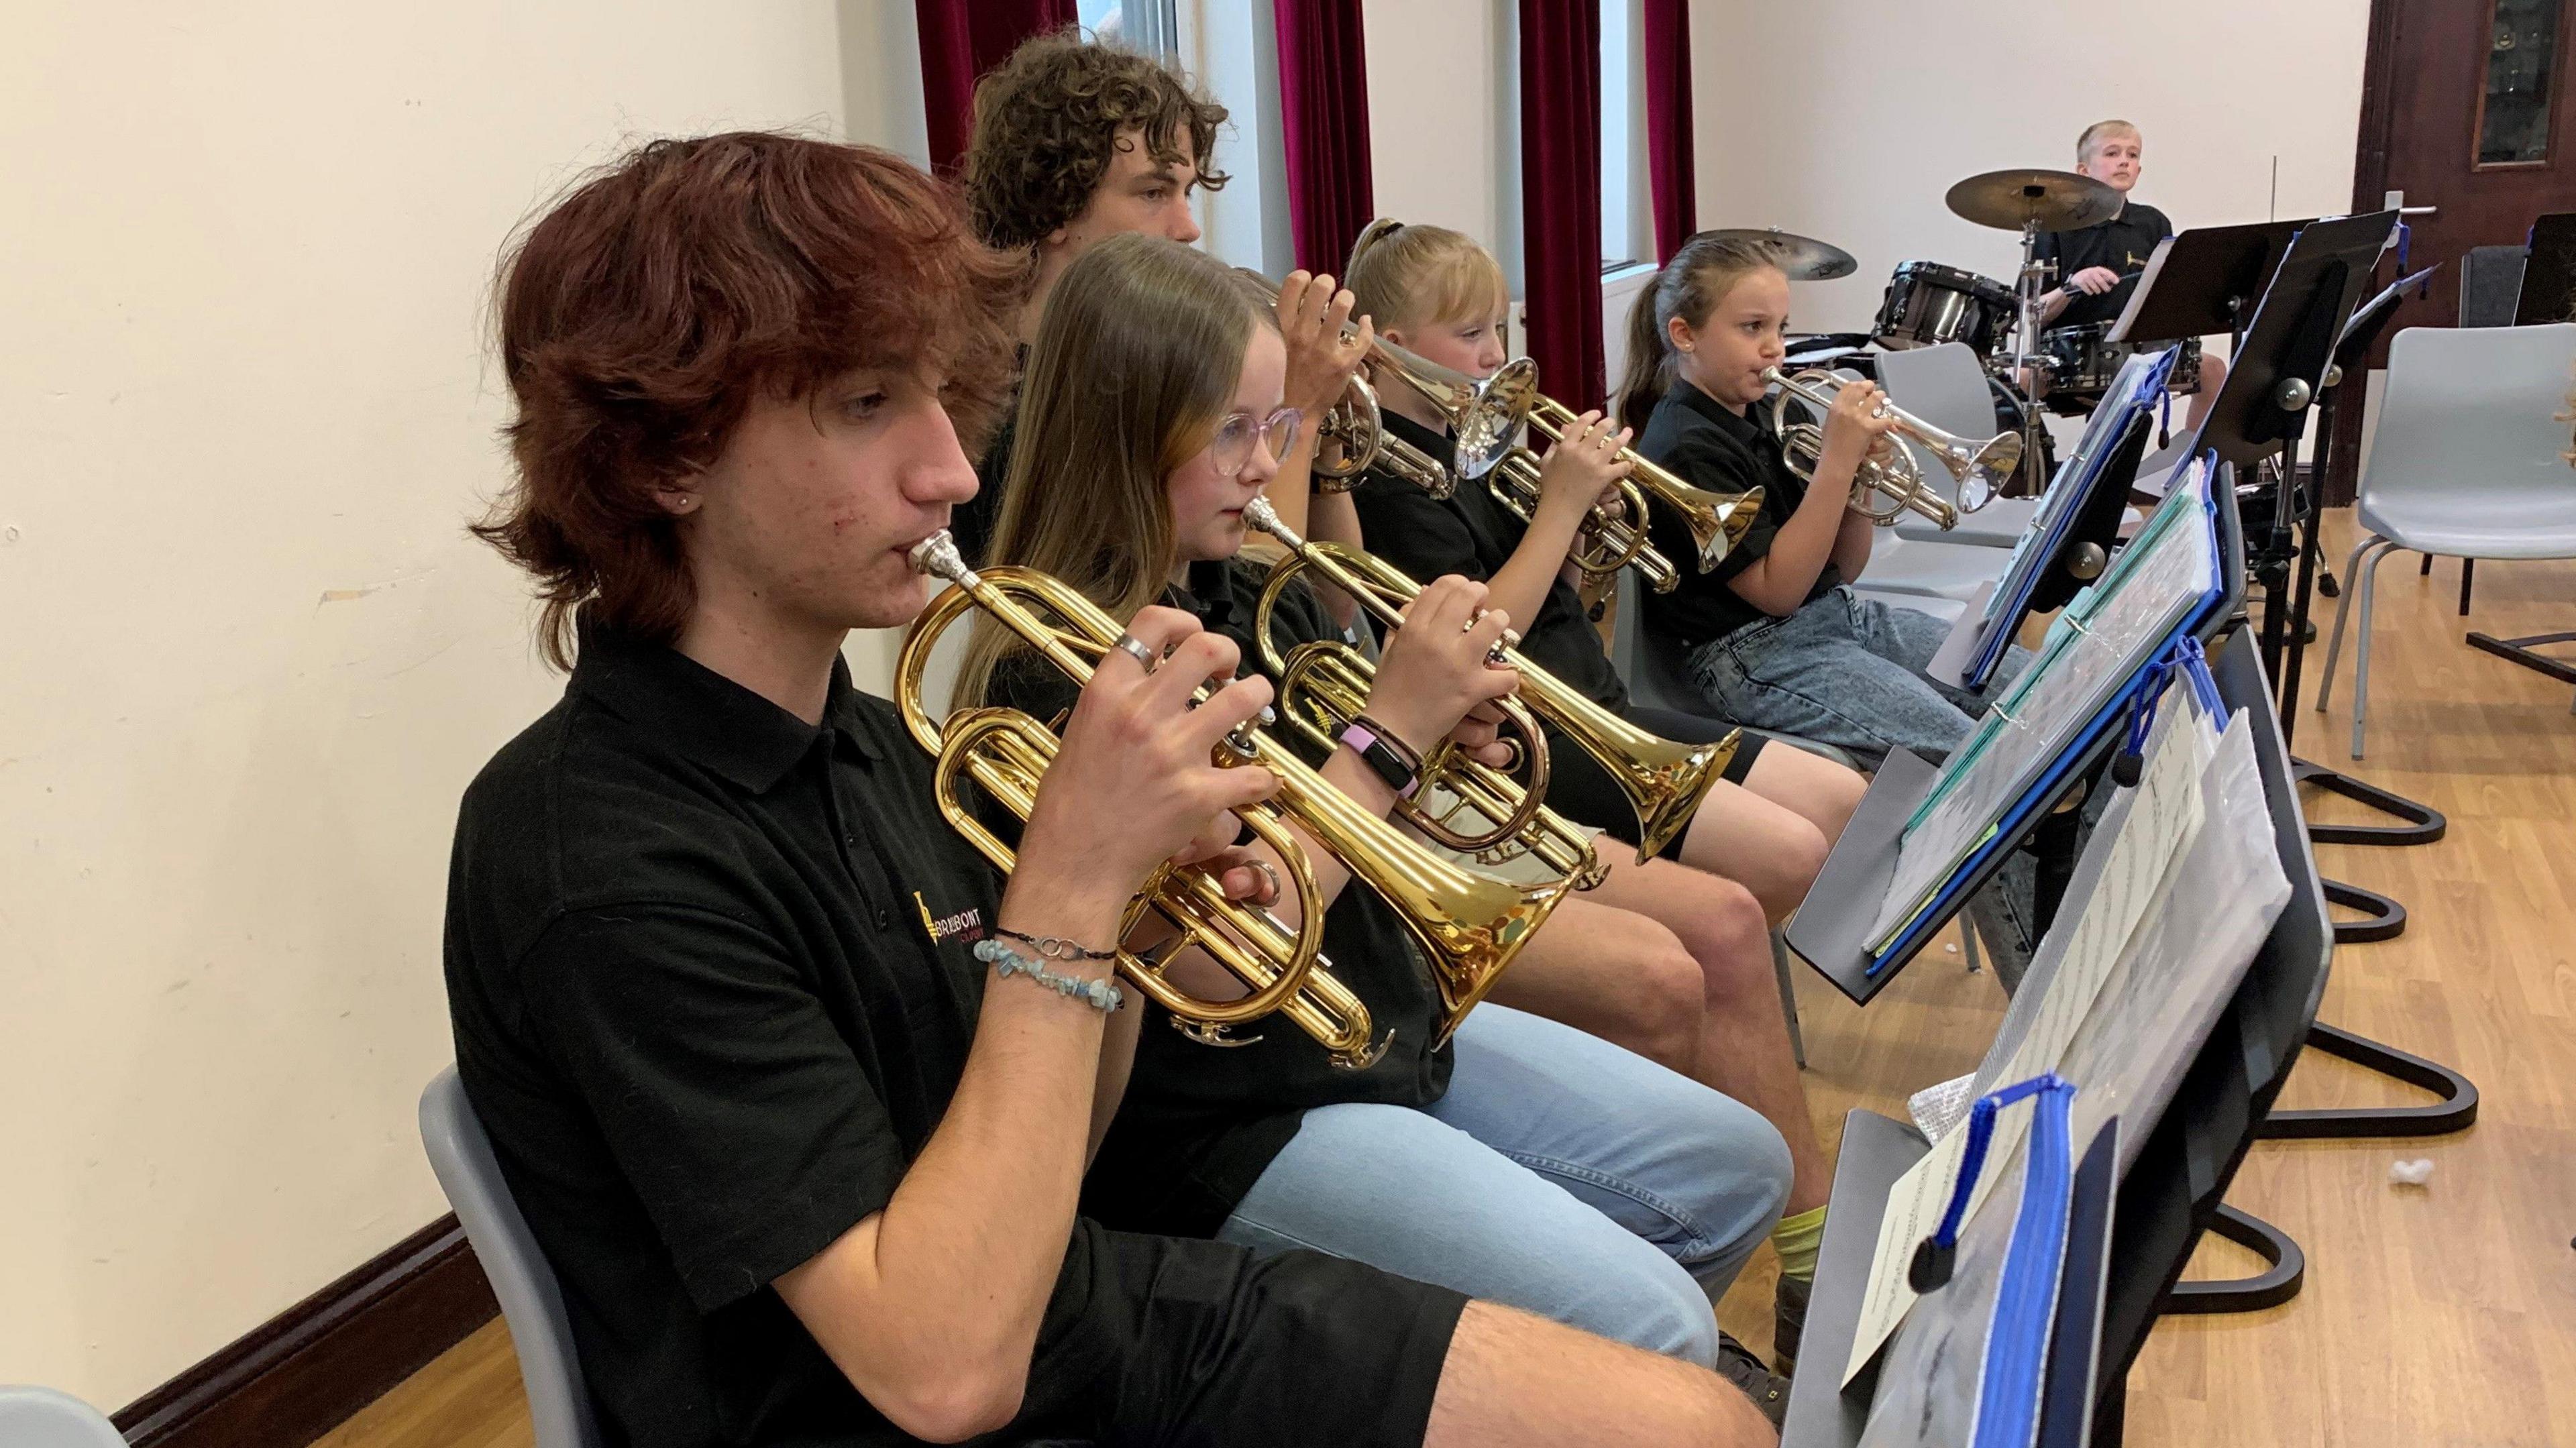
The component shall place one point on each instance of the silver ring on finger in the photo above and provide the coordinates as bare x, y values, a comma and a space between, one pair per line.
1272, 875
1136, 648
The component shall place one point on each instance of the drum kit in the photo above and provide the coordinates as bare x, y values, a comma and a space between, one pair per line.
2066, 369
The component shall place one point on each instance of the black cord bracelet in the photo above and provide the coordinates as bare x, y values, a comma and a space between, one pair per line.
1055, 946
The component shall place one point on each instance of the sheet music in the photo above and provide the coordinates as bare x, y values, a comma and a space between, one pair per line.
2131, 1050
2164, 816
2097, 645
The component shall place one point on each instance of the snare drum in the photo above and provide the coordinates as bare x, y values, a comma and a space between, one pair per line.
2082, 361
1928, 304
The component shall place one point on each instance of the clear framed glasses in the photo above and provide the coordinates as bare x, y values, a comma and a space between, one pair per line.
1232, 446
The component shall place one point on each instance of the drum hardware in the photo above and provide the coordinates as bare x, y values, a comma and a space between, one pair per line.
2030, 202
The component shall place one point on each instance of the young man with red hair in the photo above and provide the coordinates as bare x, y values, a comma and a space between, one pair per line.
805, 1168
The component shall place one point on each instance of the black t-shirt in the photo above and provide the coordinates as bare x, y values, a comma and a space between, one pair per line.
1471, 533
2122, 243
1695, 436
711, 977
1200, 1124
971, 523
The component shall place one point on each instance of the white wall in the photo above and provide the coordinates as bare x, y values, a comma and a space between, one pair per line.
1850, 124
252, 657
1444, 129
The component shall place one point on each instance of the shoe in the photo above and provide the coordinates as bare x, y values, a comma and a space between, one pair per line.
1769, 1392
1788, 1322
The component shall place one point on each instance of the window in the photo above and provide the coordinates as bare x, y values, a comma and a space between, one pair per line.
2514, 104
1627, 199
1147, 25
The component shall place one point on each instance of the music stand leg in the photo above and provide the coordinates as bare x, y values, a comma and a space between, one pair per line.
2277, 1283
2423, 823
2523, 651
2456, 1109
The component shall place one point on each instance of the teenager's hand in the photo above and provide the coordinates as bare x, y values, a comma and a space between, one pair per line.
2094, 280
1312, 314
1855, 425
1480, 736
1135, 783
1437, 667
1583, 468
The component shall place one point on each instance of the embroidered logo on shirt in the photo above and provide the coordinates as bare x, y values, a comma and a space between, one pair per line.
964, 925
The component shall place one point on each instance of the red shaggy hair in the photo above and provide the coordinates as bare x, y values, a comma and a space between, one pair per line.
642, 314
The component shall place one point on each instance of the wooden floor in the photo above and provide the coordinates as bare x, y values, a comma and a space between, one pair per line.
2442, 1314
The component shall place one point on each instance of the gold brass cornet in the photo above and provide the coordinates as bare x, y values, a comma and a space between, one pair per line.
1664, 781
1717, 519
1351, 436
1611, 537
1467, 925
1890, 472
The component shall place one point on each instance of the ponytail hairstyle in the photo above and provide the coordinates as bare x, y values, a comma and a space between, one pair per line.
1410, 277
1135, 363
1689, 287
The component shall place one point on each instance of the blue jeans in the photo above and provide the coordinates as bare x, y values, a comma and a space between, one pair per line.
1561, 1174
1846, 670
1849, 670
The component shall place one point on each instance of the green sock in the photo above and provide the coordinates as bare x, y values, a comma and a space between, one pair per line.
1796, 1240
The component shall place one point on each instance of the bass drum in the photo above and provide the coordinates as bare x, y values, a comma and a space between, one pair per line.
1928, 304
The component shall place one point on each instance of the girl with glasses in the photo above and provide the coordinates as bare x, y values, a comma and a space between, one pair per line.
1149, 418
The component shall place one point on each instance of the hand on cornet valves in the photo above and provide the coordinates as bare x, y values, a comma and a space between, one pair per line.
1313, 313
1856, 426
1583, 469
1437, 667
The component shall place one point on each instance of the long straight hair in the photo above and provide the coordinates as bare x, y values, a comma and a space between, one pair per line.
1689, 287
1135, 361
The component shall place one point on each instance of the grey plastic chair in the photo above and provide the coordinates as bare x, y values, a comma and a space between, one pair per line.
43, 1418
2466, 463
1946, 387
531, 1300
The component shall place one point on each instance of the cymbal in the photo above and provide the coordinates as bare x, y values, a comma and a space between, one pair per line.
1804, 258
2054, 200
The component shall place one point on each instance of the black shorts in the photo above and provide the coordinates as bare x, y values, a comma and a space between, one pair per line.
1582, 791
1172, 1341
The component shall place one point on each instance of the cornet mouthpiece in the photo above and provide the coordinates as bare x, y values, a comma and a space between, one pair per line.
937, 556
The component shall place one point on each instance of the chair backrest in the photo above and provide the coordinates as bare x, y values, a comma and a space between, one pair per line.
1946, 387
2471, 415
2491, 284
522, 1279
1653, 667
44, 1418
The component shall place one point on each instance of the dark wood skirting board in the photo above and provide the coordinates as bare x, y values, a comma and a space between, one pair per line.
307, 1370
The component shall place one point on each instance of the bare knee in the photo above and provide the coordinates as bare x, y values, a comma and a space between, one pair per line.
1728, 932
1665, 999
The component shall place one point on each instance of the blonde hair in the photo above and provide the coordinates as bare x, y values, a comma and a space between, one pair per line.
1134, 364
1408, 277
1689, 287
2094, 133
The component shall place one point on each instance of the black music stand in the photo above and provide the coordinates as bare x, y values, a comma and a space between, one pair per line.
2203, 281
2549, 273
2281, 368
2174, 1188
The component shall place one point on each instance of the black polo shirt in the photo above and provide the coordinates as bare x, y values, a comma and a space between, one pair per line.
1695, 436
1200, 1124
711, 976
2122, 243
1472, 534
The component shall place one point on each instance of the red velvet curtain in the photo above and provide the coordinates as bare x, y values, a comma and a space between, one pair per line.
1324, 121
1670, 164
1561, 195
960, 40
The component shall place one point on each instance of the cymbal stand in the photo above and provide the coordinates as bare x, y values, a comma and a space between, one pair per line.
2025, 360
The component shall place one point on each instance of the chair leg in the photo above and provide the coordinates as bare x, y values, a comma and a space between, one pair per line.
2468, 569
2427, 570
1788, 997
2361, 653
2343, 611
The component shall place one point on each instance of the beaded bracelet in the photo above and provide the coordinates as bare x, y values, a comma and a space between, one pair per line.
1007, 962
1055, 945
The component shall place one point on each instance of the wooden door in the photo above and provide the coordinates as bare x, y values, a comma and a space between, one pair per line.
2467, 106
